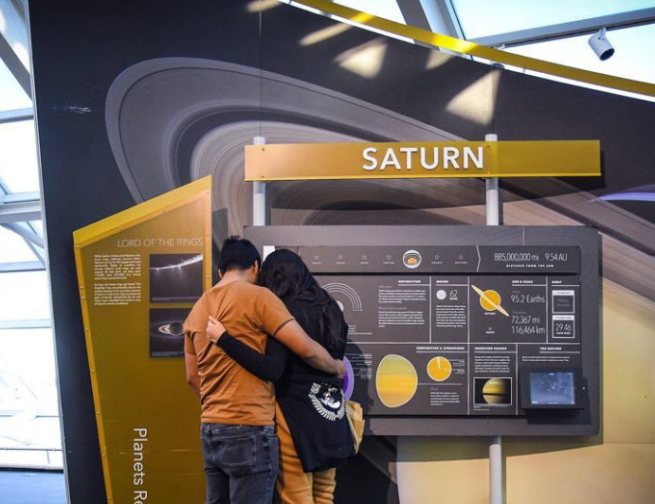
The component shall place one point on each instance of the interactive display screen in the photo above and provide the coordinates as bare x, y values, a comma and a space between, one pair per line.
554, 389
551, 388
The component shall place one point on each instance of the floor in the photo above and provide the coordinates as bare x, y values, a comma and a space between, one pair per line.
32, 487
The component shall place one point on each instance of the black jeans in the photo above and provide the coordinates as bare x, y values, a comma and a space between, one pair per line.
241, 463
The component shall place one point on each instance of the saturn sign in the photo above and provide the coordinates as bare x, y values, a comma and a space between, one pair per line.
426, 158
361, 160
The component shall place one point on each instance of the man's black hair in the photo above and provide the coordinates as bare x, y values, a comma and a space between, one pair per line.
237, 254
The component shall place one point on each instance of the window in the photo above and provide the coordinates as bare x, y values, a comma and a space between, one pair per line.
18, 163
13, 249
483, 18
633, 45
24, 296
12, 96
30, 434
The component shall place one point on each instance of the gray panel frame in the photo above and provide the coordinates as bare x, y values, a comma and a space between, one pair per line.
586, 422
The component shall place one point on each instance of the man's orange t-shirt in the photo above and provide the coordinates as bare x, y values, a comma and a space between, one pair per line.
228, 393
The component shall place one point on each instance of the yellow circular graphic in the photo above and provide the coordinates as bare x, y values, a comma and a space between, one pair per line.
490, 301
439, 369
496, 391
396, 381
412, 259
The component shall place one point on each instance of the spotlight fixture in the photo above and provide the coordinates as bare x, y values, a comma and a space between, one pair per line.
601, 46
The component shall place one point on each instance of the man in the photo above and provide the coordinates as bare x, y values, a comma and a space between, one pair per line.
239, 444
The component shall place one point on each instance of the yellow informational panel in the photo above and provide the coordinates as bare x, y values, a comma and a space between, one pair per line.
423, 160
140, 272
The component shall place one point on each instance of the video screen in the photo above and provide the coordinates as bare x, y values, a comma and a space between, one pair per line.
175, 278
552, 388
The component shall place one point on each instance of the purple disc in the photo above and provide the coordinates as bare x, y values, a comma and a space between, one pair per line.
349, 379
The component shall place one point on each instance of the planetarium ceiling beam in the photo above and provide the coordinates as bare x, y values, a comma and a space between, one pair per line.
7, 116
442, 17
20, 212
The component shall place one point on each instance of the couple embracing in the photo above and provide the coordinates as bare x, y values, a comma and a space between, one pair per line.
264, 350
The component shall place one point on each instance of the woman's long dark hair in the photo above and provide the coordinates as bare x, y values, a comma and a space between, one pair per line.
286, 275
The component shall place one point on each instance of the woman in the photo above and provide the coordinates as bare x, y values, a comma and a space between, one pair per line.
311, 419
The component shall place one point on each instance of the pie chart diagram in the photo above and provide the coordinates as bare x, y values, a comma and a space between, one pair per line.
439, 369
396, 381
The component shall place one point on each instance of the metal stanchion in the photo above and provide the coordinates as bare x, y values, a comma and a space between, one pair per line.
496, 445
259, 194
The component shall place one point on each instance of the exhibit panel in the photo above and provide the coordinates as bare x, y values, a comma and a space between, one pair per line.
493, 330
140, 272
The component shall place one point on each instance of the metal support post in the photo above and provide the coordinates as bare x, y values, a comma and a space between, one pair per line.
493, 211
493, 193
496, 470
259, 194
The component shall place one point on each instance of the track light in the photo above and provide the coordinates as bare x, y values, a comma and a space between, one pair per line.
601, 46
